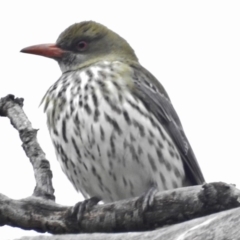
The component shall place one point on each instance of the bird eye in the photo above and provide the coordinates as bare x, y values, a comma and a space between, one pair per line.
81, 45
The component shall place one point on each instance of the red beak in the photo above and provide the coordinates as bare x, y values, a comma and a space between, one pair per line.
45, 50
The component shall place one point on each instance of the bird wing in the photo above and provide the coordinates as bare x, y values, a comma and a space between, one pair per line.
149, 90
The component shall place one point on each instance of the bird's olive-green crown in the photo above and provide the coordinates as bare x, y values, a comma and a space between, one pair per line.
89, 42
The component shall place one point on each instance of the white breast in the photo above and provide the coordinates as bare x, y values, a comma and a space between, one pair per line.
106, 141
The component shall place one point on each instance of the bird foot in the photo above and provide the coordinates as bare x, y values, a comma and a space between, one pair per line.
85, 206
146, 200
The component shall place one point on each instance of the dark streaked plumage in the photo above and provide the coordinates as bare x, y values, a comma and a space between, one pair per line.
112, 123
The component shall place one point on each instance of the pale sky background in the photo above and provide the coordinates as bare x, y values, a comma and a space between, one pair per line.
192, 47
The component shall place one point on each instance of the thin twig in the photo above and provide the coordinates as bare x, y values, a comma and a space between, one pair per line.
11, 107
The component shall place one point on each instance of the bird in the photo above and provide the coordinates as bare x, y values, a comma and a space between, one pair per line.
113, 126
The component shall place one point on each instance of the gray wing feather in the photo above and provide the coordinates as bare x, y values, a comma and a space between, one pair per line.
155, 98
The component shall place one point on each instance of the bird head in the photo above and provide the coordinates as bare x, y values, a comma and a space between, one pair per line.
83, 44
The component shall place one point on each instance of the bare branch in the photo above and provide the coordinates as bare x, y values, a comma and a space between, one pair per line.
11, 107
218, 226
169, 207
